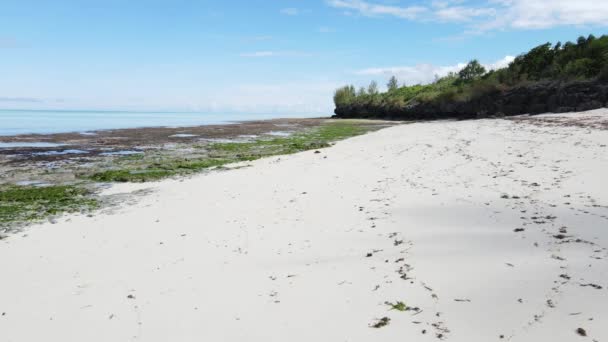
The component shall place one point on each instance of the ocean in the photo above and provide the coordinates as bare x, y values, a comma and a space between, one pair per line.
14, 122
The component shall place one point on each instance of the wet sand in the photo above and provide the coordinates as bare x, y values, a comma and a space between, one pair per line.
486, 230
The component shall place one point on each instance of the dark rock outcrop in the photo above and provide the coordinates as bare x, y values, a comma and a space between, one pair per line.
536, 98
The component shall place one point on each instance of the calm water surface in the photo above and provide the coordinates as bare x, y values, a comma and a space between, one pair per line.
13, 122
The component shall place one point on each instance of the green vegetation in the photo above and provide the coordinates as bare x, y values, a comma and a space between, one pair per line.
472, 71
158, 170
220, 154
587, 59
399, 306
27, 203
124, 175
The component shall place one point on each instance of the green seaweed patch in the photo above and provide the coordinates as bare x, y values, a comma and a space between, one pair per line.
132, 157
220, 154
28, 203
159, 170
316, 138
135, 176
191, 165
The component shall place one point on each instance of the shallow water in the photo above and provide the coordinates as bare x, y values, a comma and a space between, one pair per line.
60, 153
183, 135
280, 133
14, 122
33, 183
28, 144
121, 153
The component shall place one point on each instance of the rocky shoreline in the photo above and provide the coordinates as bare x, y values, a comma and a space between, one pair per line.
27, 158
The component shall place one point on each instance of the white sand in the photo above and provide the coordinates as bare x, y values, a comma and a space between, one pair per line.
277, 251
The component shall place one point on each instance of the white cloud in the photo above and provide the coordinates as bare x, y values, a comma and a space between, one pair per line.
262, 54
502, 63
261, 38
538, 14
8, 43
419, 74
290, 11
489, 14
459, 13
21, 99
258, 54
306, 97
370, 9
325, 29
426, 73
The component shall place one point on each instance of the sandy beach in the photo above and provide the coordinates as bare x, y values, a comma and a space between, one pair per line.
486, 230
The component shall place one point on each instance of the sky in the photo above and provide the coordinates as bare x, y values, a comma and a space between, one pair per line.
258, 56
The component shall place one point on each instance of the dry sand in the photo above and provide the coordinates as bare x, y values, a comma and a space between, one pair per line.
309, 247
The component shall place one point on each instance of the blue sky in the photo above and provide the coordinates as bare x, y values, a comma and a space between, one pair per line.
284, 56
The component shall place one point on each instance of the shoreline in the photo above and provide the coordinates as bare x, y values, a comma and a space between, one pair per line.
315, 246
44, 177
22, 151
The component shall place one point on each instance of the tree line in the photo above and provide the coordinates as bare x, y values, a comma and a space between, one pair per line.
585, 59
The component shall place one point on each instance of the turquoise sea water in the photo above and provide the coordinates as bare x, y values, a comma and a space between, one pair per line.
13, 122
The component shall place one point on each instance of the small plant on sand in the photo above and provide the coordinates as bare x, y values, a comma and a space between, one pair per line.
399, 306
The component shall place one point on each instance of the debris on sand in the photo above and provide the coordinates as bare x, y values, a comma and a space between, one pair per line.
462, 300
518, 230
382, 322
581, 332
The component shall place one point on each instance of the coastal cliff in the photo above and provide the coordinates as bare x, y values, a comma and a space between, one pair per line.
541, 97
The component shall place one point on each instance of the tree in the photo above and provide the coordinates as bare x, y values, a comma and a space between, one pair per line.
372, 89
537, 62
361, 92
580, 68
472, 71
344, 96
392, 84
